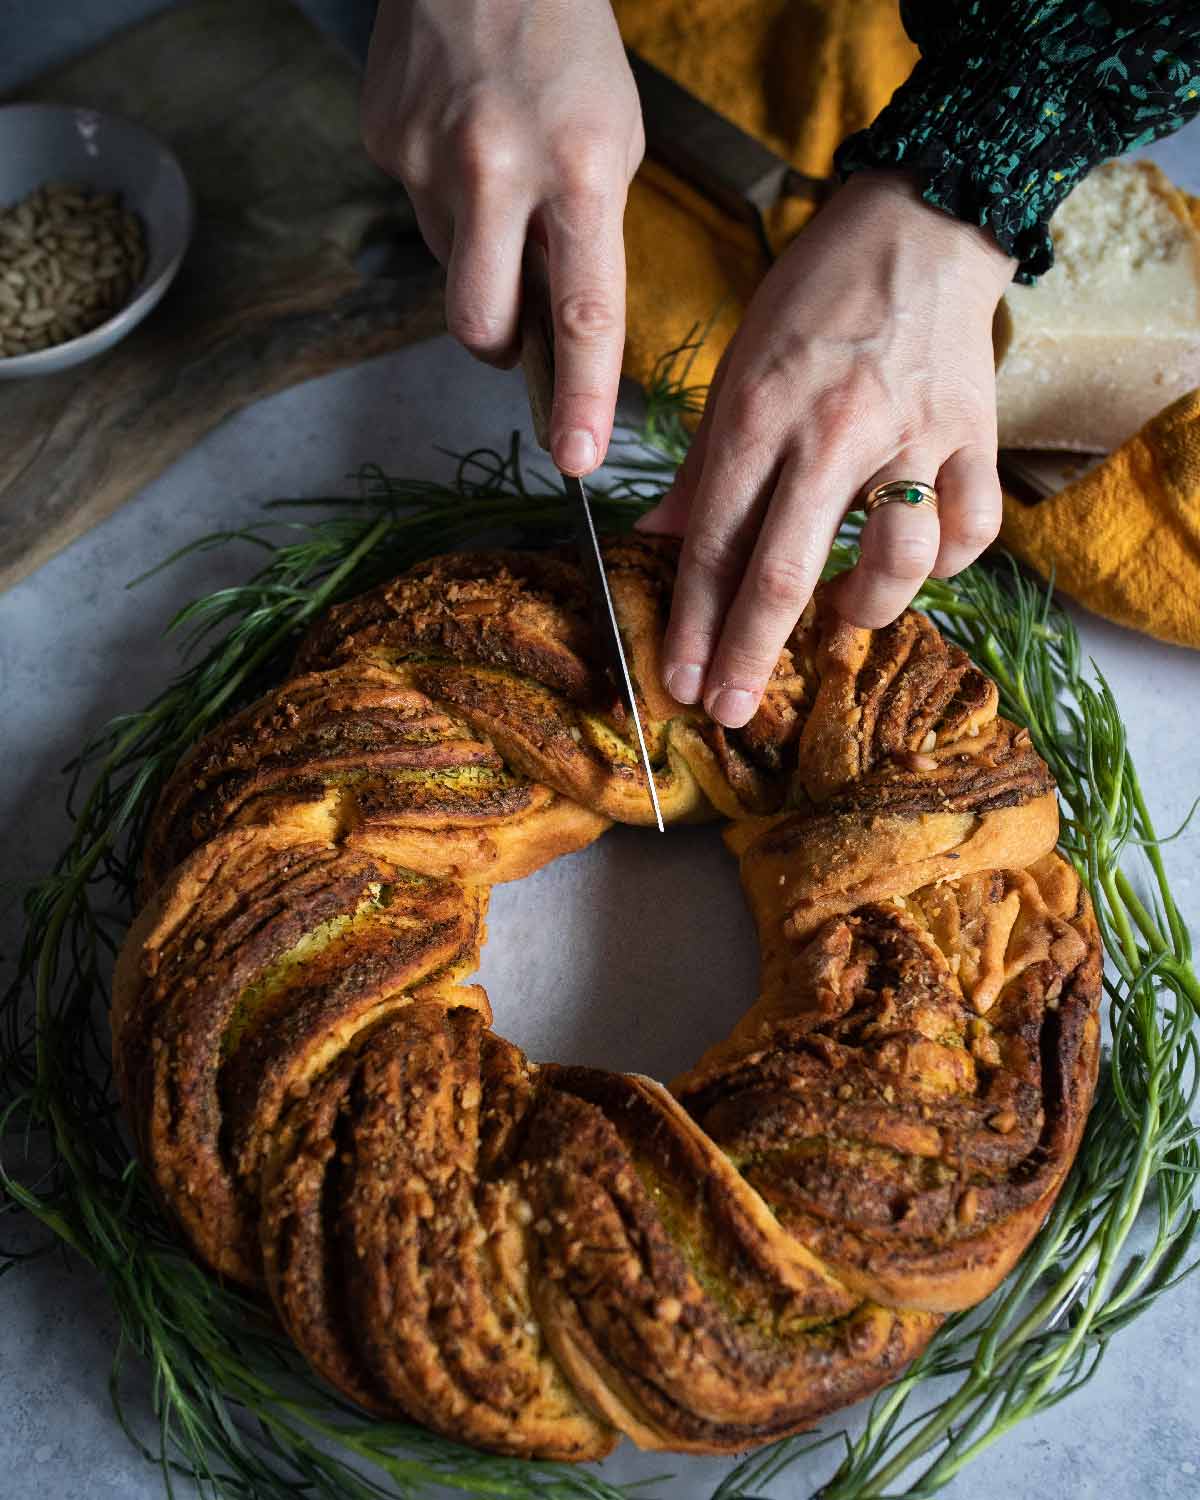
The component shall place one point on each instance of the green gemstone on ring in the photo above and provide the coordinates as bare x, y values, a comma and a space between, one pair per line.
913, 496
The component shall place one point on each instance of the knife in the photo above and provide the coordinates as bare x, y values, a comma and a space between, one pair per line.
722, 161
537, 362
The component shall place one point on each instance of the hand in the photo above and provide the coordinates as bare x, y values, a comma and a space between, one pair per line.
865, 355
505, 119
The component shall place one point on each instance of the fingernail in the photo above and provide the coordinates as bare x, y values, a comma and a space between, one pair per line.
575, 451
732, 707
683, 683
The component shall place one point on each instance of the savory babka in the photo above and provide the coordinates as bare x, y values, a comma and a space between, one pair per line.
537, 1259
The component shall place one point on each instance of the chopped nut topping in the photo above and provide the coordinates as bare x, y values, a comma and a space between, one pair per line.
668, 1309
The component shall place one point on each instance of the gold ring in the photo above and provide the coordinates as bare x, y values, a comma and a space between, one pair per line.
909, 491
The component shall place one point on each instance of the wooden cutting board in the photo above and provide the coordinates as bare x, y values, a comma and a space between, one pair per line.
263, 113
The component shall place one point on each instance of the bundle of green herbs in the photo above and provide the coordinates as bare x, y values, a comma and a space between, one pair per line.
237, 1411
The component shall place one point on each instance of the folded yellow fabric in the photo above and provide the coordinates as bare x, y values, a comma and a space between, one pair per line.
801, 75
1125, 539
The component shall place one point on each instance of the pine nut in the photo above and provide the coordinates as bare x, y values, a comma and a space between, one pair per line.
69, 259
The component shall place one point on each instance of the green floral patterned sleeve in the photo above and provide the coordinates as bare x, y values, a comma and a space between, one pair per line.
1013, 103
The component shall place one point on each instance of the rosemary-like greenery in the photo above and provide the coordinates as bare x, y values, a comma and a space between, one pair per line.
237, 1412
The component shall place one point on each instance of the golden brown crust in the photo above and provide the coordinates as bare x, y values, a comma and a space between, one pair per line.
538, 1260
360, 756
523, 612
300, 1185
439, 1318
908, 1113
260, 963
898, 691
668, 1292
985, 802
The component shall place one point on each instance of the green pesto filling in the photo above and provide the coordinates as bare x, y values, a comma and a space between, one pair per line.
483, 778
286, 972
681, 1225
608, 743
700, 1248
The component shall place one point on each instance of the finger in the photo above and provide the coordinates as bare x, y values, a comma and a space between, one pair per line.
784, 569
670, 516
435, 224
483, 278
971, 508
898, 547
730, 497
587, 294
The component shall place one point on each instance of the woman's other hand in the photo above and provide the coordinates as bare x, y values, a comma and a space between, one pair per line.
507, 119
865, 355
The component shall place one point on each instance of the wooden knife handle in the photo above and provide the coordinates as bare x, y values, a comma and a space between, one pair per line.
537, 340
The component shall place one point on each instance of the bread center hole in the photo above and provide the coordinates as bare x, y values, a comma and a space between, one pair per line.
634, 954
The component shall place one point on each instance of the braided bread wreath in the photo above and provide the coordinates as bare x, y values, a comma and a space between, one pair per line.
536, 1259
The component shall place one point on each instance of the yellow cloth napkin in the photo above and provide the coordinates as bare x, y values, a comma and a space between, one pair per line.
1125, 539
801, 75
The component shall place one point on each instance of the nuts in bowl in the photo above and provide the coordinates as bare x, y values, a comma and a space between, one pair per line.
69, 259
95, 217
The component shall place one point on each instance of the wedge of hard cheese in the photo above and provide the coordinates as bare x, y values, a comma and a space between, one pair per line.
1111, 333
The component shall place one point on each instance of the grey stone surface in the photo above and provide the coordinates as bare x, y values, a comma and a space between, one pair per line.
598, 982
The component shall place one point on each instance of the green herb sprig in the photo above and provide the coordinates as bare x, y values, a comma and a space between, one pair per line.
237, 1411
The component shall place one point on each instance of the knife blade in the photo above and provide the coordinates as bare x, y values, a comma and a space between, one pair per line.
728, 166
537, 363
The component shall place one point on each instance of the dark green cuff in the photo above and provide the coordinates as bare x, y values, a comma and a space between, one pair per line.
999, 130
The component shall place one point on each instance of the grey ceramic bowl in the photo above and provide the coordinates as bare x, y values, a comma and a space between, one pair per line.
56, 143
